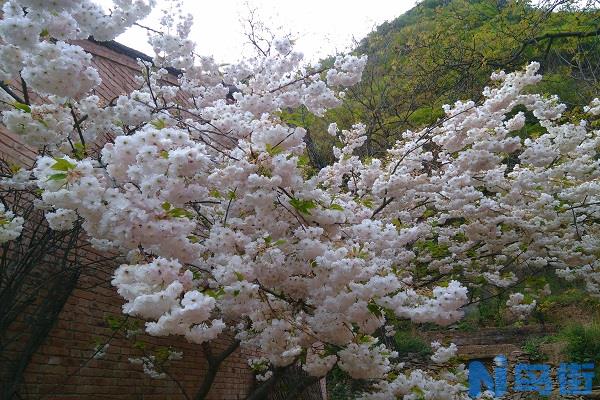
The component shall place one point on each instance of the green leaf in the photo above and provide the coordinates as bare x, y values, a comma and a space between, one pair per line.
193, 238
41, 121
303, 206
273, 150
364, 339
166, 206
367, 203
434, 248
239, 275
159, 124
164, 154
460, 237
22, 107
161, 354
505, 227
215, 193
374, 309
523, 247
303, 161
79, 151
267, 240
179, 213
214, 293
418, 391
231, 195
399, 225
336, 207
62, 165
264, 171
139, 345
114, 323
428, 213
57, 177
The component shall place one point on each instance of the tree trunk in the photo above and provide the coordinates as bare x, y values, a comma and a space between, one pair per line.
213, 367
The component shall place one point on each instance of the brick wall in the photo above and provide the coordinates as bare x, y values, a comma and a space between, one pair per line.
63, 366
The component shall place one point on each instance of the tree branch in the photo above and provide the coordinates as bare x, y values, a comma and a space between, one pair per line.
551, 36
214, 362
9, 91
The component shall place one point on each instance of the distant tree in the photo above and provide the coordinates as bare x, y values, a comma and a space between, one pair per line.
442, 51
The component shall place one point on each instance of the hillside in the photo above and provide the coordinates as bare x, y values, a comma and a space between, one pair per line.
444, 50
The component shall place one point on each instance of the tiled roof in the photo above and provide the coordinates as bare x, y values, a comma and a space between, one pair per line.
117, 67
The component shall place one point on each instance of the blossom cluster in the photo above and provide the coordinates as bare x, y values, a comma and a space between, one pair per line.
11, 226
49, 67
152, 366
443, 354
518, 307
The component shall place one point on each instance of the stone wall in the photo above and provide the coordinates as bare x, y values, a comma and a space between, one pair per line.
486, 343
489, 342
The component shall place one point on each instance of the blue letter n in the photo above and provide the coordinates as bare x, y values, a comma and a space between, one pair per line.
479, 375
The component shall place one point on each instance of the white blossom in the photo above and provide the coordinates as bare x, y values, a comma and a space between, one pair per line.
11, 226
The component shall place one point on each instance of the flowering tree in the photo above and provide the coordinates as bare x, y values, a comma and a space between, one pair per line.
226, 227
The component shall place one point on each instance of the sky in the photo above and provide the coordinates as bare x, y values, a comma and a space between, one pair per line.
320, 27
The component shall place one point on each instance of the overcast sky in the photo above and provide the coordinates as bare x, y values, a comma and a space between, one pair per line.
321, 27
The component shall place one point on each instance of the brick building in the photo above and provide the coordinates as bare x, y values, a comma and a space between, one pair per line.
49, 348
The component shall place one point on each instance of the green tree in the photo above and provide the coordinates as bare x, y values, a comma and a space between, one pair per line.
444, 50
